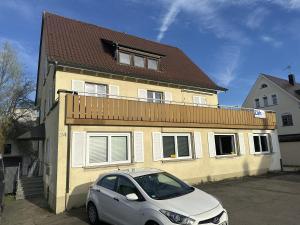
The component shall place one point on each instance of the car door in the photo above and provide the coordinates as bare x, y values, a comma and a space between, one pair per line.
105, 192
129, 212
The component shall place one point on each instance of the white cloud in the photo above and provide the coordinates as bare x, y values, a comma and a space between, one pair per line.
228, 62
256, 17
270, 40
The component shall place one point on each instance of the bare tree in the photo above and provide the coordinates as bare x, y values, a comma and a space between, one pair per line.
15, 90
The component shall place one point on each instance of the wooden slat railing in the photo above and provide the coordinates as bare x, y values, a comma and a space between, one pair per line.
87, 110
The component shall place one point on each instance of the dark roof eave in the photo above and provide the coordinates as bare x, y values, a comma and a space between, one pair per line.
83, 67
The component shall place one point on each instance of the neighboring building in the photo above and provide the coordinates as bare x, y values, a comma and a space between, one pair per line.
283, 97
111, 101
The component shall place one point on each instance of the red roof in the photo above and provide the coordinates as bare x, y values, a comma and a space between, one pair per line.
78, 44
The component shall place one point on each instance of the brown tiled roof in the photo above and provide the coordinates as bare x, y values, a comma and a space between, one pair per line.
284, 84
74, 43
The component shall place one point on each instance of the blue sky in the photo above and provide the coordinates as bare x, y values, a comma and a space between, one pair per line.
231, 40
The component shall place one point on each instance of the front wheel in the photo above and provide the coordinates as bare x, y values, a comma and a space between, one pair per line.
92, 214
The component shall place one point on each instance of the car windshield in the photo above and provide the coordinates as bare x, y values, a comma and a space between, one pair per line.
161, 186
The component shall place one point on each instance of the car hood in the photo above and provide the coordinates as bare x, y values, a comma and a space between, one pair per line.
194, 203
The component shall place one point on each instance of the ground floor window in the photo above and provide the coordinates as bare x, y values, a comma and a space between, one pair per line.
105, 148
261, 143
176, 145
225, 144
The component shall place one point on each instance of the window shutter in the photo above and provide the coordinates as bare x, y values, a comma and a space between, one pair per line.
157, 146
78, 149
274, 142
138, 146
168, 97
142, 95
251, 143
198, 145
211, 144
78, 86
113, 91
242, 144
203, 100
196, 100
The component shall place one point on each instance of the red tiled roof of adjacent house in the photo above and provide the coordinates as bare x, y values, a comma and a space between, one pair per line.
284, 84
78, 44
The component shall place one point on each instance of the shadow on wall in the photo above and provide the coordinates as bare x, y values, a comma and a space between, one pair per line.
78, 196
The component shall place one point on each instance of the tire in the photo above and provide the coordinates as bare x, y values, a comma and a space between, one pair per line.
92, 214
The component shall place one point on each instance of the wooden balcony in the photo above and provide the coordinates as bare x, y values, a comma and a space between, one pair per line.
86, 110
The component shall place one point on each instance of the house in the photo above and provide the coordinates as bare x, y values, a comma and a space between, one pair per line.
283, 97
109, 100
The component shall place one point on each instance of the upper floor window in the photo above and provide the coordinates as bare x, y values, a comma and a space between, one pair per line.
139, 61
91, 89
257, 103
274, 99
264, 86
261, 143
152, 64
287, 120
155, 96
199, 100
124, 58
266, 103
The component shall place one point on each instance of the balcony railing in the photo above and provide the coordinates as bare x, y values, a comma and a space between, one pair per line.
89, 110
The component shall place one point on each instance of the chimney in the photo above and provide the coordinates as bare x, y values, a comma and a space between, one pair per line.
292, 79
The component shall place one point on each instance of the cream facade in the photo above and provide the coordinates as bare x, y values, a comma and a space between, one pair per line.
286, 104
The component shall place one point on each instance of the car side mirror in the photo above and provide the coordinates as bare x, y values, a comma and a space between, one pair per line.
132, 197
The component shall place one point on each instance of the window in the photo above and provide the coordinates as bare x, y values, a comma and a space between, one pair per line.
225, 144
108, 148
125, 187
124, 58
155, 96
261, 143
266, 103
152, 64
139, 61
263, 86
257, 104
108, 182
7, 149
99, 90
287, 120
176, 146
274, 99
199, 100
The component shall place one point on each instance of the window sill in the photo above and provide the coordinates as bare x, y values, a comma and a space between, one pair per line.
227, 156
262, 153
108, 165
177, 160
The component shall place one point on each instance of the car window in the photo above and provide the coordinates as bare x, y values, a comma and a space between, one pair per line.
108, 182
125, 186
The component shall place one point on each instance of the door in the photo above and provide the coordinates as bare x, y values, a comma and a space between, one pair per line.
106, 199
129, 212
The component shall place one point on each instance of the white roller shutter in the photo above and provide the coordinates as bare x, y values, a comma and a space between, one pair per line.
78, 149
157, 146
78, 86
113, 91
168, 97
142, 95
242, 144
211, 144
138, 146
251, 144
198, 145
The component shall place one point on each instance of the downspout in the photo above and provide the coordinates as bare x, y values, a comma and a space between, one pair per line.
68, 166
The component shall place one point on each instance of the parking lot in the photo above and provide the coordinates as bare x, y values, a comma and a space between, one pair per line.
272, 199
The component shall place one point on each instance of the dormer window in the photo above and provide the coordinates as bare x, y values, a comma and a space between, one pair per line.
152, 64
124, 58
139, 61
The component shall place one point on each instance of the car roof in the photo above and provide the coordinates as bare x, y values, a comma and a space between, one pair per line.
136, 172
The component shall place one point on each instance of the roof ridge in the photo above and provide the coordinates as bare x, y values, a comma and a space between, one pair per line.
268, 75
108, 29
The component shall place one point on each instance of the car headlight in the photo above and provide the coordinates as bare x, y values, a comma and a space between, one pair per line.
177, 218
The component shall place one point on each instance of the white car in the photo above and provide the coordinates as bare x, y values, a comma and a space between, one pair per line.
150, 197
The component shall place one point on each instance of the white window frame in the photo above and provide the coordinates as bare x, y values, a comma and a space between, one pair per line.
267, 101
108, 135
175, 135
153, 99
96, 93
276, 99
257, 106
130, 58
235, 144
268, 143
150, 59
134, 61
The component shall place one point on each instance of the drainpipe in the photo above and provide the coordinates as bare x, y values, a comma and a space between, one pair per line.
68, 166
